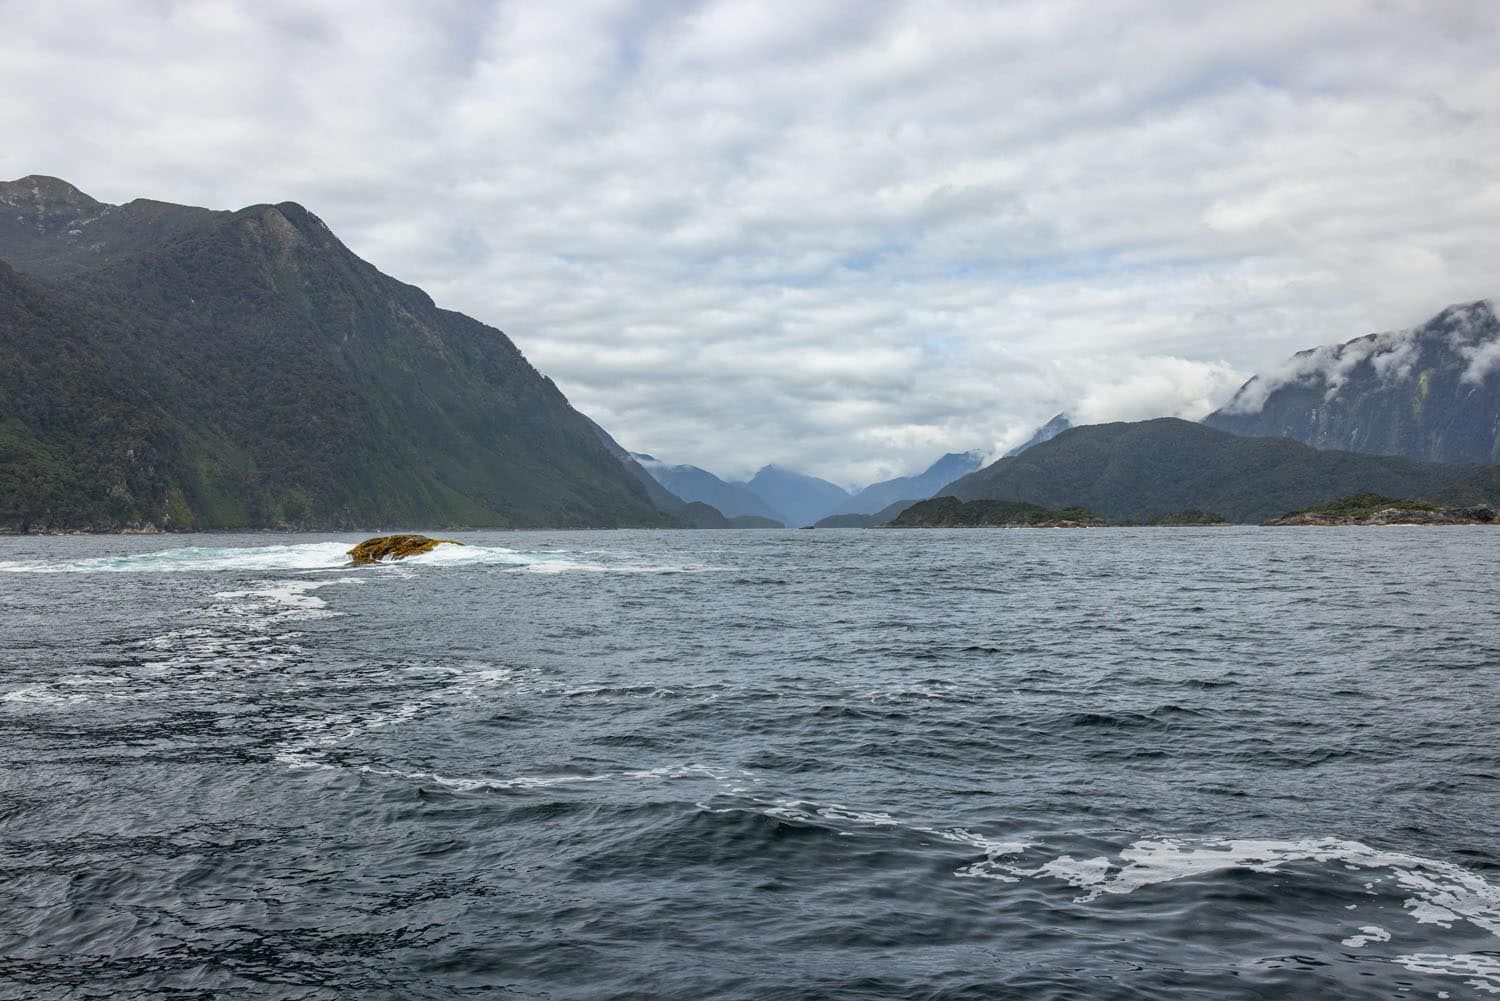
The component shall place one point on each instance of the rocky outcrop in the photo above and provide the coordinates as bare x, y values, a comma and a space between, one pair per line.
1481, 515
394, 547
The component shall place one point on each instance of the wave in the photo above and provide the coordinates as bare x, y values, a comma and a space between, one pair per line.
665, 773
317, 556
1425, 891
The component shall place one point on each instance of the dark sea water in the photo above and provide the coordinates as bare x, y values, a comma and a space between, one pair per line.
1156, 763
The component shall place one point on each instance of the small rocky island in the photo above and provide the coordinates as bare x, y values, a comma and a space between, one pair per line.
394, 547
950, 512
1373, 509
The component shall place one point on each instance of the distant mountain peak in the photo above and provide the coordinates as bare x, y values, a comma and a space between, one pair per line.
1425, 392
51, 229
803, 499
1054, 427
878, 496
43, 187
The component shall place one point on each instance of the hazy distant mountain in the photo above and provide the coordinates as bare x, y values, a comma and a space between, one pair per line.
1056, 426
1152, 468
800, 498
196, 369
694, 484
660, 497
885, 514
912, 488
1432, 392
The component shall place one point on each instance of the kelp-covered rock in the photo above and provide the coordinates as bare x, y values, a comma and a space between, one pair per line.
395, 547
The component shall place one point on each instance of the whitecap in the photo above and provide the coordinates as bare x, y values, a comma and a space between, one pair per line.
475, 784
187, 559
1482, 971
1367, 934
42, 696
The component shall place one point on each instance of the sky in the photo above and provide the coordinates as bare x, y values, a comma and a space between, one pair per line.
842, 237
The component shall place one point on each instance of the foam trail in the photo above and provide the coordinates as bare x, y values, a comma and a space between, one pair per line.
189, 559
316, 556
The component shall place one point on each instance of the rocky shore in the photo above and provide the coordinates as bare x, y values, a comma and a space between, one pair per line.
1480, 515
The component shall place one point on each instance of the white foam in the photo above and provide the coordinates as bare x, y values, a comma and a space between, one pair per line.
1482, 971
83, 680
475, 784
1442, 892
1367, 934
42, 696
1076, 872
187, 559
257, 609
323, 556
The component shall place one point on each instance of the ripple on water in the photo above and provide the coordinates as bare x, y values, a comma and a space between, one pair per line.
886, 765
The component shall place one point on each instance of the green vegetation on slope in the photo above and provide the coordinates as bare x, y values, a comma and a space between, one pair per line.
1191, 517
1134, 472
1364, 505
950, 512
881, 517
252, 372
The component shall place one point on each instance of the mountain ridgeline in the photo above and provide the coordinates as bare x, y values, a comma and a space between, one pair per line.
1431, 392
878, 496
1152, 470
734, 500
186, 369
172, 367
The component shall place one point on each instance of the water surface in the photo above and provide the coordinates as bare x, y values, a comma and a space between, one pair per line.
1156, 763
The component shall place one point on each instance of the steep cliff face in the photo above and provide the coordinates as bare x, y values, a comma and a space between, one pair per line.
249, 370
1432, 392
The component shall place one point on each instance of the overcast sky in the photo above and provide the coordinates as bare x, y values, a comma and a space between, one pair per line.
845, 238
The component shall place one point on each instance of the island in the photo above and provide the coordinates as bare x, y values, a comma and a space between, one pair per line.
950, 512
1374, 509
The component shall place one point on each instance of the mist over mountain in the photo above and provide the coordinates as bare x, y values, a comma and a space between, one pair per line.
944, 471
1137, 471
190, 369
1056, 426
1431, 392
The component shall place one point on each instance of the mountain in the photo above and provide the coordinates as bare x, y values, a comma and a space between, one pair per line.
1137, 471
1431, 392
693, 484
1056, 426
245, 369
880, 495
661, 498
885, 514
800, 498
50, 229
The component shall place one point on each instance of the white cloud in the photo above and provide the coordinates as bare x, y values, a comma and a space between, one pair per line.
844, 237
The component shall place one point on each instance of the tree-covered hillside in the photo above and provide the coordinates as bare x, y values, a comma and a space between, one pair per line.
1134, 472
251, 371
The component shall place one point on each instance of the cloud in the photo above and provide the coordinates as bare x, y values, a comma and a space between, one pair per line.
1466, 327
842, 237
